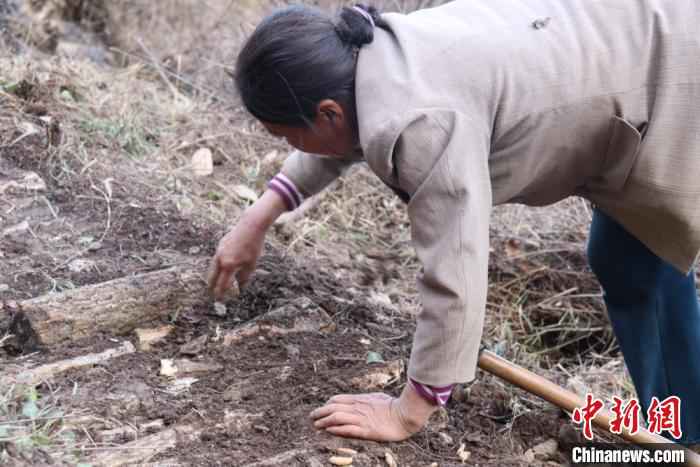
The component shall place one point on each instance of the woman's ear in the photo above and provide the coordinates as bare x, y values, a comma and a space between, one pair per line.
331, 112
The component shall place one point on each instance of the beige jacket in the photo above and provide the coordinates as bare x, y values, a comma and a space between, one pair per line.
477, 103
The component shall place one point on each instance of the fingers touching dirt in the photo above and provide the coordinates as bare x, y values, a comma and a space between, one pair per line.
364, 416
235, 258
222, 276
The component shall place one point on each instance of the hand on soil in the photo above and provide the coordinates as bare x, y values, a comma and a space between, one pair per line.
240, 249
375, 417
236, 256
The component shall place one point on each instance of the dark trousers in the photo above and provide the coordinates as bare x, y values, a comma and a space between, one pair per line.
655, 315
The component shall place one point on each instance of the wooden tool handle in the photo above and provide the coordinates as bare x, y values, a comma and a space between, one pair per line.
567, 400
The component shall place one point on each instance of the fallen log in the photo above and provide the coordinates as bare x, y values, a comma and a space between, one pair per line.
144, 449
33, 376
116, 307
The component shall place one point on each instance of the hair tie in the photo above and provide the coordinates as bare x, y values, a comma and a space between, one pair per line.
365, 14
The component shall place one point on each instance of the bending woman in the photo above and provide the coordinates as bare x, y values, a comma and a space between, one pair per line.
473, 104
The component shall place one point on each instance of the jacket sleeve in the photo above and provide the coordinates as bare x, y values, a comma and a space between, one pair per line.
303, 175
441, 159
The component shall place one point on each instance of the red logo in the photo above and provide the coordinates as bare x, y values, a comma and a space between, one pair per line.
665, 416
662, 416
627, 416
586, 414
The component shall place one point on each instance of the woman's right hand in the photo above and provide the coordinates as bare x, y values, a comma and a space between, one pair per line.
239, 250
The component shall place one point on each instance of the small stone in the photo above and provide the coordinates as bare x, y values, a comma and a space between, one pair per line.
219, 309
167, 367
4, 287
340, 460
202, 162
194, 250
446, 439
390, 459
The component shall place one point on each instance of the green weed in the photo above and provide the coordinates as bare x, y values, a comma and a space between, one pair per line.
131, 136
32, 424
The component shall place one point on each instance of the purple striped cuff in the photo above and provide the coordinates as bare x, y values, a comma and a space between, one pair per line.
434, 394
284, 187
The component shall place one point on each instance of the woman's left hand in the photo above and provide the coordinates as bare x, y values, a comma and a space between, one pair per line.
375, 417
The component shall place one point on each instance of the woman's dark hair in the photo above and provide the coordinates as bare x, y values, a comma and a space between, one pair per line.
299, 56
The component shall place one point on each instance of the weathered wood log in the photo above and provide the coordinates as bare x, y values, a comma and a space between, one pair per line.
33, 376
116, 307
144, 449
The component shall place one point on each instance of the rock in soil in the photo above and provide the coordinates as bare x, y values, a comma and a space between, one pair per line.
340, 460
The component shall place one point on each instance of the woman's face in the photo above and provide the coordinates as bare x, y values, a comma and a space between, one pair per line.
303, 138
331, 135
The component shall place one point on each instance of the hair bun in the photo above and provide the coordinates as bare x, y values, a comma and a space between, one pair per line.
354, 27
